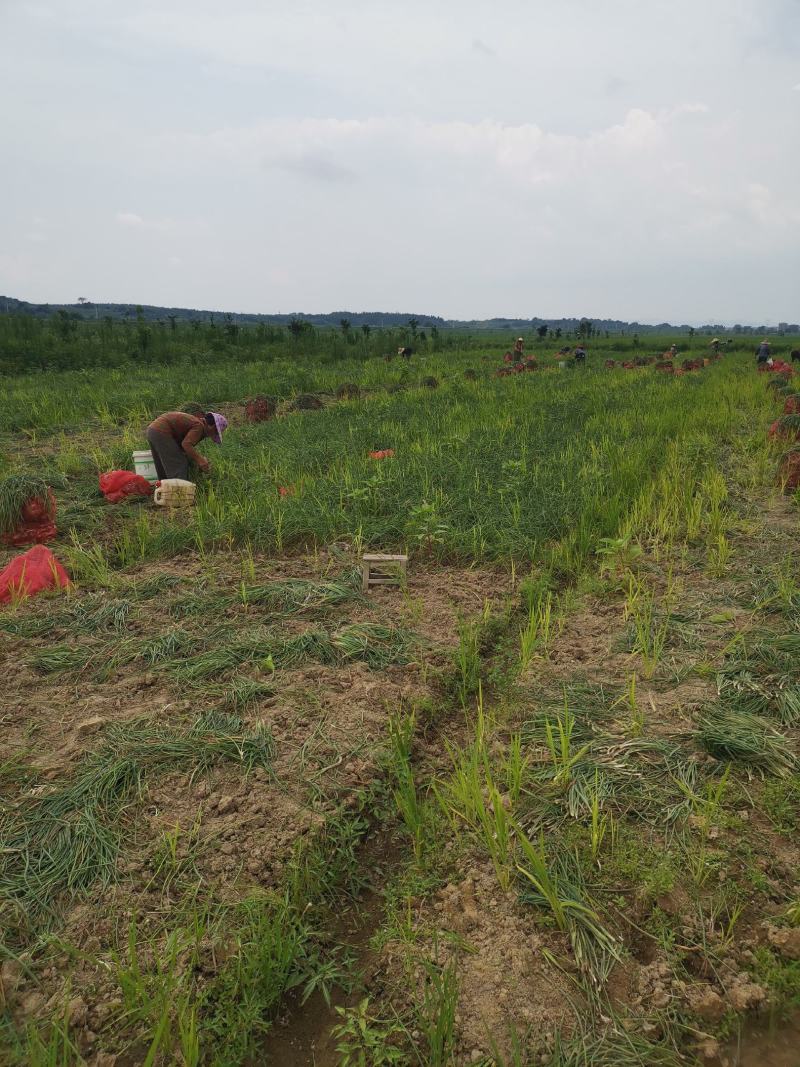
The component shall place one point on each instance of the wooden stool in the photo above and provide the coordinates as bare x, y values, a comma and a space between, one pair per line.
379, 569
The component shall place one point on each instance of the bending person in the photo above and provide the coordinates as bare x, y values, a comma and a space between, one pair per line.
173, 438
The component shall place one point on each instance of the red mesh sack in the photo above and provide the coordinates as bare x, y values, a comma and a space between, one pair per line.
259, 409
792, 405
37, 522
789, 471
786, 427
31, 573
116, 485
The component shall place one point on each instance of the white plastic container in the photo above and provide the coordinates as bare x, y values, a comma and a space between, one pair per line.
145, 466
561, 366
175, 493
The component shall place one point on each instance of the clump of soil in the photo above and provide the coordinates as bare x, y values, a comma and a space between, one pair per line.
430, 382
348, 391
306, 402
470, 374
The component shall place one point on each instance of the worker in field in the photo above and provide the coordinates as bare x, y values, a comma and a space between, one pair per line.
714, 345
580, 354
763, 353
173, 438
519, 350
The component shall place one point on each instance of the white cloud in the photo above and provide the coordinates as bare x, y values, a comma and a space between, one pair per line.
463, 157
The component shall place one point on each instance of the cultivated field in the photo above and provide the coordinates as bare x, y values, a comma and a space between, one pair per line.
539, 806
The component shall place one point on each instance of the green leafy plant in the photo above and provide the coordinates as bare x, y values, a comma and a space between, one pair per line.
366, 1040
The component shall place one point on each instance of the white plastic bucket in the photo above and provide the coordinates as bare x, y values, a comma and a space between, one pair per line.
144, 465
175, 493
561, 365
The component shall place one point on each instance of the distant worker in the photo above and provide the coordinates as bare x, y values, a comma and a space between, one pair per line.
580, 354
763, 352
714, 345
405, 352
519, 346
173, 436
673, 350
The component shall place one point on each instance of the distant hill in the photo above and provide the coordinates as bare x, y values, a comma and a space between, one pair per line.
376, 319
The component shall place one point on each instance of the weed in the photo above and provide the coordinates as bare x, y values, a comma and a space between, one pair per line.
599, 821
781, 803
401, 736
538, 631
635, 711
719, 554
437, 1014
563, 753
559, 888
650, 630
366, 1040
471, 797
53, 1048
781, 976
468, 661
515, 768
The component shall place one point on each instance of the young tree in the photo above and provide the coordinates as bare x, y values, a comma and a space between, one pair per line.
541, 331
297, 327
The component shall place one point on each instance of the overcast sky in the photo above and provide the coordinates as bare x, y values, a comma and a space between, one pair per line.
634, 159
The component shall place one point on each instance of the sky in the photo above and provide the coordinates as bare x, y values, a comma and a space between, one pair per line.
631, 159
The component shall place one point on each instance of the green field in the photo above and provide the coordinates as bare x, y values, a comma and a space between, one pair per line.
538, 806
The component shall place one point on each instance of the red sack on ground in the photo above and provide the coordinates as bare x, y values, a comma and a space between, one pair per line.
784, 428
792, 405
29, 574
116, 485
259, 409
37, 523
789, 471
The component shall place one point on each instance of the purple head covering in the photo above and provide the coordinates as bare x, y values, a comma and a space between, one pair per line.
220, 424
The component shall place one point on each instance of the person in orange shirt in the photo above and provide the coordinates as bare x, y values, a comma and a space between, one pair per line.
173, 438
